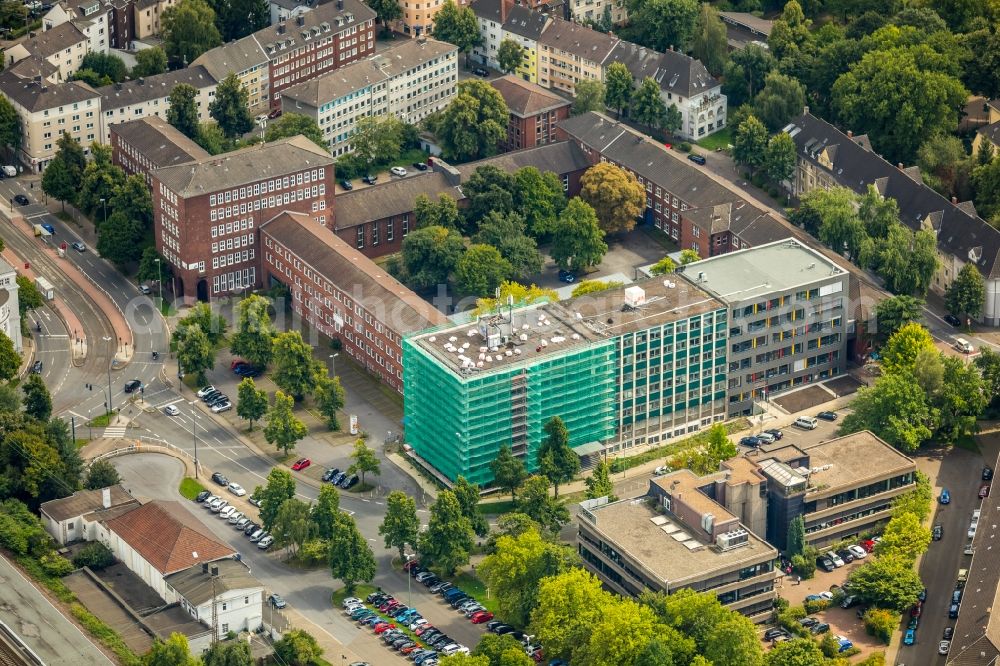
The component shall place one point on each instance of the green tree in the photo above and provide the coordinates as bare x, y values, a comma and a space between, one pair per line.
895, 409
377, 139
556, 460
988, 363
440, 213
615, 195
172, 652
37, 401
386, 11
959, 402
647, 106
734, 641
295, 370
467, 495
457, 25
720, 447
967, 292
673, 120
365, 461
578, 241
745, 72
535, 502
91, 78
230, 108
539, 197
916, 100
881, 623
292, 124
688, 256
502, 650
480, 270
840, 227
120, 239
663, 24
599, 482
292, 527
621, 635
201, 316
460, 659
283, 429
796, 537
779, 157
904, 346
887, 581
510, 55
797, 652
325, 511
189, 30
663, 266
105, 64
280, 486
10, 360
10, 125
905, 537
471, 126
100, 180
489, 189
131, 198
195, 354
153, 267
253, 339
448, 539
236, 19
182, 111
62, 176
945, 166
790, 33
401, 526
589, 96
750, 143
430, 254
569, 605
28, 295
149, 62
710, 44
228, 653
781, 99
329, 396
618, 84
509, 472
101, 474
893, 313
297, 648
251, 402
211, 138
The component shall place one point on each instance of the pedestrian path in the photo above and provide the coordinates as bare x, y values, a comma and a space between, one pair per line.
115, 431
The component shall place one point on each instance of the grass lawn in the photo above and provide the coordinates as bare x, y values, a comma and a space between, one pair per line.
362, 488
360, 591
102, 421
190, 488
720, 139
496, 508
470, 583
82, 442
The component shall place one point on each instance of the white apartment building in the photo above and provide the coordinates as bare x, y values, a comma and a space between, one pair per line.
91, 17
47, 110
490, 14
593, 10
10, 314
144, 97
409, 81
237, 596
246, 59
63, 47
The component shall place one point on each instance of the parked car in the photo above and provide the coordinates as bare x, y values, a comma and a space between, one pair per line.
480, 71
953, 320
220, 407
36, 367
765, 437
837, 562
984, 491
218, 506
301, 464
480, 617
420, 166
242, 522
820, 628
250, 528
944, 497
948, 633
953, 611
370, 179
751, 441
346, 184
774, 432
773, 633
227, 511
330, 473
256, 502
827, 416
825, 563
349, 482
938, 532
808, 622
697, 159
205, 391
237, 489
398, 171
859, 552
944, 647
910, 637
276, 601
202, 496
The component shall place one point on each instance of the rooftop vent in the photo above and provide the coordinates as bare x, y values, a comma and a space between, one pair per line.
733, 539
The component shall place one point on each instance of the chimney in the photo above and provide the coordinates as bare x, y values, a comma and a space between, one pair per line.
300, 20
215, 570
954, 200
899, 165
141, 80
106, 498
850, 133
204, 567
340, 4
281, 27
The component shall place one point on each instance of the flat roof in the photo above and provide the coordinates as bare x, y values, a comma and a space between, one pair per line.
541, 331
847, 461
629, 525
754, 272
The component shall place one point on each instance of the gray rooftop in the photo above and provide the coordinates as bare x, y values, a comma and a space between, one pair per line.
249, 165
766, 269
673, 71
38, 96
233, 58
525, 23
196, 585
148, 88
159, 141
578, 40
52, 41
324, 20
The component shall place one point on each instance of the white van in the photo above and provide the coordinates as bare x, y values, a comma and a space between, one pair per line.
9, 170
806, 422
964, 346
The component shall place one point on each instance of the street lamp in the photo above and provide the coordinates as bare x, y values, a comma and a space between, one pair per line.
333, 364
159, 281
110, 406
104, 204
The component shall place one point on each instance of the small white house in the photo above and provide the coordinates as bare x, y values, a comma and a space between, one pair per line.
238, 596
75, 518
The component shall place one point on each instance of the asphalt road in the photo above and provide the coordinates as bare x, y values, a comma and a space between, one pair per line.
52, 349
56, 640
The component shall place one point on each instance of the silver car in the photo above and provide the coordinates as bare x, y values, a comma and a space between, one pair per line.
235, 518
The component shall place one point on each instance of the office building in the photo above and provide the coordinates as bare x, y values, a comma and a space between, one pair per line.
150, 96
142, 146
533, 112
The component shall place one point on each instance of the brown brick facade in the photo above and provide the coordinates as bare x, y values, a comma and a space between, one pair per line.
535, 130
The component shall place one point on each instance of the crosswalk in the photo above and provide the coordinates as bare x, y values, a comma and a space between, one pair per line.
115, 431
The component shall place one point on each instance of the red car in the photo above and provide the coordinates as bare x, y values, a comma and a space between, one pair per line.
408, 650
868, 544
384, 626
301, 464
410, 564
236, 362
480, 617
420, 631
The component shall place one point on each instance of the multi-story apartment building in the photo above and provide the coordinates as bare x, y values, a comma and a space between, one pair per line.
246, 59
684, 83
317, 42
490, 14
840, 487
788, 317
627, 367
93, 18
10, 313
696, 211
827, 157
282, 10
683, 534
409, 81
533, 113
142, 146
418, 15
150, 96
343, 294
63, 46
524, 27
570, 53
149, 16
206, 213
46, 110
584, 11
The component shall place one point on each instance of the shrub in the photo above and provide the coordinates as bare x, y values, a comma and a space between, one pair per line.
829, 645
55, 565
880, 623
816, 606
789, 619
94, 555
684, 147
804, 566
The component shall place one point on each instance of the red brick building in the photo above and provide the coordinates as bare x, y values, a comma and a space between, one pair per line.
316, 42
534, 112
375, 219
150, 143
343, 294
206, 213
